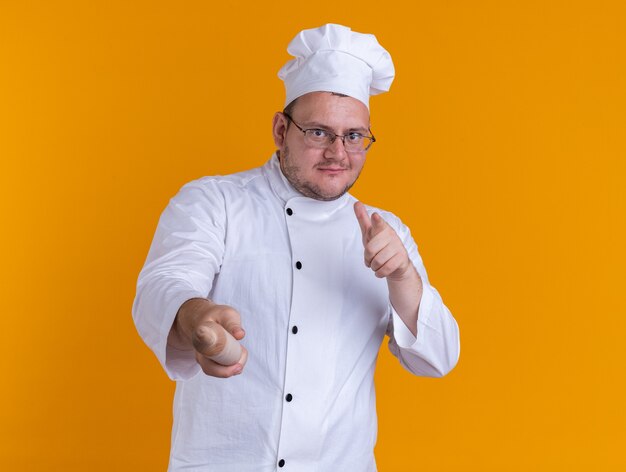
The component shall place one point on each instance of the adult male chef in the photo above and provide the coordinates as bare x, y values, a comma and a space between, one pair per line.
315, 278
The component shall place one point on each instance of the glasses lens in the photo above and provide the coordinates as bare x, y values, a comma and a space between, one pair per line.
317, 138
357, 143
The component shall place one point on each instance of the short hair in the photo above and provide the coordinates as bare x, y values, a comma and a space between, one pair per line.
289, 109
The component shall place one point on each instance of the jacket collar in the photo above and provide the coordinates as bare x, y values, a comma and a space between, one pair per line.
285, 191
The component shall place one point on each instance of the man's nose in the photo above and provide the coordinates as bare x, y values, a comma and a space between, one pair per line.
336, 149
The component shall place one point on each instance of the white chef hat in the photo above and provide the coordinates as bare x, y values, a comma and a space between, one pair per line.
333, 58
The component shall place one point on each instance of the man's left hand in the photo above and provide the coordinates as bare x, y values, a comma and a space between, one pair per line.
387, 257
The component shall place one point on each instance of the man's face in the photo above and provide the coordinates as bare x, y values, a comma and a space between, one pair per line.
323, 174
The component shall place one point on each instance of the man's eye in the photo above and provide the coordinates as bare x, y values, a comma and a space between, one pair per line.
355, 137
318, 133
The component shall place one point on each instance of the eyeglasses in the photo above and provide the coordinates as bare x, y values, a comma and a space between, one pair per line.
321, 138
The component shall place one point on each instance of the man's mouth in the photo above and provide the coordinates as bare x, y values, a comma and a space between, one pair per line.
332, 168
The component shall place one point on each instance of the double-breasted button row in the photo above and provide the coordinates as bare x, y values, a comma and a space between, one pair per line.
294, 330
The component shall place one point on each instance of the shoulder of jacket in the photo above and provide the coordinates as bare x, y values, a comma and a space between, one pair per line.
239, 180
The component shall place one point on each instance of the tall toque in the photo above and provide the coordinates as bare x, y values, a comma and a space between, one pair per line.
333, 58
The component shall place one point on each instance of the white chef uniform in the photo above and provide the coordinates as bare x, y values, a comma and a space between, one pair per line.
314, 315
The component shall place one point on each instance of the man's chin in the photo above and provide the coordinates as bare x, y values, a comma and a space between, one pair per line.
329, 198
327, 195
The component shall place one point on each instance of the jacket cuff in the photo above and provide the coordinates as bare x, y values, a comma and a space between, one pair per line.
179, 365
402, 335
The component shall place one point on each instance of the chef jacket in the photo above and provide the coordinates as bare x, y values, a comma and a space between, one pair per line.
314, 315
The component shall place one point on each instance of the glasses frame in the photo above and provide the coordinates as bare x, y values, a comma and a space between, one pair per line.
334, 136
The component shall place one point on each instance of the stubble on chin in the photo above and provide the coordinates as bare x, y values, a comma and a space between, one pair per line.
308, 189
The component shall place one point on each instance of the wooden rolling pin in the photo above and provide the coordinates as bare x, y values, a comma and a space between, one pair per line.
220, 345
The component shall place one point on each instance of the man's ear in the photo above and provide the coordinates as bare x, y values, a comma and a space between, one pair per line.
279, 129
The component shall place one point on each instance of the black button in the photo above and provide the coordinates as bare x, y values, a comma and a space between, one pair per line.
289, 211
294, 330
289, 397
281, 463
298, 265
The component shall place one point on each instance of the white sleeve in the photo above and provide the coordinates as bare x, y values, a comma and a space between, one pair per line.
435, 350
185, 255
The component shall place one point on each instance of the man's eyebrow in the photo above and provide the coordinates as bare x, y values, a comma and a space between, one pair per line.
360, 129
315, 124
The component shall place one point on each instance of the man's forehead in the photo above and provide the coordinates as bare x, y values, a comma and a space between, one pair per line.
326, 108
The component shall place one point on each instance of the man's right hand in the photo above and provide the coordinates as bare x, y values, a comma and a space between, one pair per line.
204, 326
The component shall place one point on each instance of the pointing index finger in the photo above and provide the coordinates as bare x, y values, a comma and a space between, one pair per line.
363, 218
378, 223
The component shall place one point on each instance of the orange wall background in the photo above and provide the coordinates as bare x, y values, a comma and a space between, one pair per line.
501, 144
